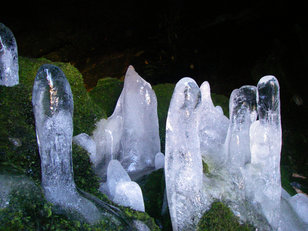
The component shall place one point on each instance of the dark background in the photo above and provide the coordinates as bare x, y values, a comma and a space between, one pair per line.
228, 43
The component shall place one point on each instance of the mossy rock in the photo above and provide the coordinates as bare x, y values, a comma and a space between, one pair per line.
221, 218
106, 94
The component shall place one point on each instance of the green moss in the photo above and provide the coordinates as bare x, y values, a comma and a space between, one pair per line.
163, 94
220, 218
144, 217
106, 94
222, 101
28, 210
153, 186
84, 175
205, 167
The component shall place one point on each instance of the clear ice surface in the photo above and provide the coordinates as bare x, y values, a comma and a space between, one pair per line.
131, 133
183, 162
213, 127
299, 203
53, 110
115, 174
159, 160
265, 147
129, 194
120, 189
243, 112
8, 58
87, 143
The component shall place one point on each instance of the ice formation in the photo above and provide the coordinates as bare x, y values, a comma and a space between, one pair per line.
87, 143
120, 189
242, 154
159, 160
53, 110
183, 163
265, 147
131, 133
8, 58
212, 128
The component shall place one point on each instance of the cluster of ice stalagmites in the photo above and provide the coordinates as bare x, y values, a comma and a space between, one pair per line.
8, 58
242, 154
128, 139
53, 110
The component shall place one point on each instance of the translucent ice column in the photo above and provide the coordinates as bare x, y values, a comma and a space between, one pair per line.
131, 133
53, 110
183, 163
265, 147
8, 58
213, 126
243, 112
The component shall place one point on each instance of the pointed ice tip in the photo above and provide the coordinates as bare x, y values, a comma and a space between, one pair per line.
130, 70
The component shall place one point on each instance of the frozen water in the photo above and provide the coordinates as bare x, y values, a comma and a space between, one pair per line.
140, 141
107, 137
243, 156
129, 194
120, 189
265, 147
131, 133
183, 163
140, 226
299, 203
87, 143
115, 174
243, 112
290, 217
53, 110
8, 58
213, 126
159, 160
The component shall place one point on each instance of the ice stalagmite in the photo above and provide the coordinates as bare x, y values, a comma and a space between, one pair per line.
140, 141
120, 189
183, 163
243, 112
213, 126
265, 147
131, 133
8, 58
53, 110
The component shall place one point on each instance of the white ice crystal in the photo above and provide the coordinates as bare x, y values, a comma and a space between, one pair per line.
131, 133
159, 160
87, 143
8, 58
213, 126
120, 189
53, 110
183, 163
